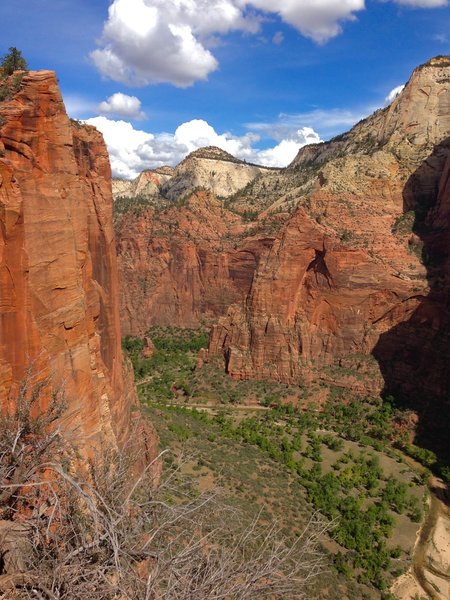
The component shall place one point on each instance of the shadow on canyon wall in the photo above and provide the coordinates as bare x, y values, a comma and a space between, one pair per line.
414, 356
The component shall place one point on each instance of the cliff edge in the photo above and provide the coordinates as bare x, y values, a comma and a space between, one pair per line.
59, 317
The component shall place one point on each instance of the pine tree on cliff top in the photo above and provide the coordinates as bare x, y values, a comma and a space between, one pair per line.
13, 61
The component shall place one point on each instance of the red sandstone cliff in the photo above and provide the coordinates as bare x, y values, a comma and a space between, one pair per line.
185, 265
313, 300
59, 293
361, 269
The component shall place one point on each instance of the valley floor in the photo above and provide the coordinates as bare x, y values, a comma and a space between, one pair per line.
284, 452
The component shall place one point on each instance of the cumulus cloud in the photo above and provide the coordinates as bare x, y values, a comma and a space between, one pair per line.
122, 105
133, 150
154, 41
285, 152
170, 41
393, 94
319, 20
123, 142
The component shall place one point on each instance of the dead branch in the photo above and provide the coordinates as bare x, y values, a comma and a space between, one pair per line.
100, 535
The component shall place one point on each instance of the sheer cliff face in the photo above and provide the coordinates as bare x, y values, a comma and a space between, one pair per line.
184, 266
183, 256
361, 269
59, 316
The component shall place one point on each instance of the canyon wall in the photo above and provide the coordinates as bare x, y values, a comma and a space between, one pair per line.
358, 280
185, 254
184, 265
59, 311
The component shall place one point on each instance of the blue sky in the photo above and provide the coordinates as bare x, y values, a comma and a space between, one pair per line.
162, 77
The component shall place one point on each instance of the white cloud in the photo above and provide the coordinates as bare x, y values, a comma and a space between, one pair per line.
393, 94
123, 142
327, 122
122, 105
285, 152
132, 150
154, 41
316, 19
170, 41
278, 38
198, 133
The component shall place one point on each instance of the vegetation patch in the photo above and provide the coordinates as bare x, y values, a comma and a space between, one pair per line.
137, 205
10, 81
404, 224
341, 460
170, 374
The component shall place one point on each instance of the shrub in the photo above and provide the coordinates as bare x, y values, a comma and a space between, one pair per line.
404, 223
10, 86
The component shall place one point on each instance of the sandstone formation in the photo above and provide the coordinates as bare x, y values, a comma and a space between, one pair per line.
361, 270
59, 317
210, 169
184, 265
148, 183
187, 240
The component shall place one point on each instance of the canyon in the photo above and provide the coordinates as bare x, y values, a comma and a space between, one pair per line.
364, 260
333, 269
332, 272
358, 256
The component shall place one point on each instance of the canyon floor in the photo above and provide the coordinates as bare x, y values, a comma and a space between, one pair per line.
283, 452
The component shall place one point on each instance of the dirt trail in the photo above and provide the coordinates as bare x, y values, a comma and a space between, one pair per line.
216, 407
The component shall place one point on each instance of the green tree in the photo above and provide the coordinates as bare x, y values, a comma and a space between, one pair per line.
13, 61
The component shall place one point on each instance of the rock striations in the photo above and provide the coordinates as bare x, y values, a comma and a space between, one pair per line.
185, 264
148, 183
213, 169
59, 312
185, 253
359, 277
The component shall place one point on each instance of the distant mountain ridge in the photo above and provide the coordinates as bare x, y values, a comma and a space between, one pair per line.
211, 169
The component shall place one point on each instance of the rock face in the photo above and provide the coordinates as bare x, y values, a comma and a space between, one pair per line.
183, 266
210, 169
59, 317
148, 183
185, 253
362, 267
313, 300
